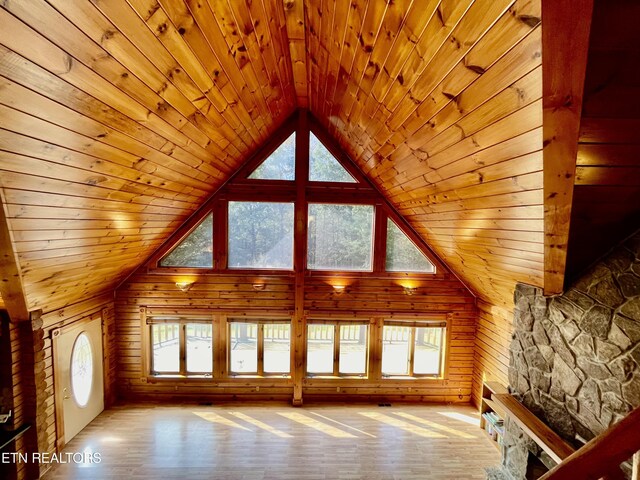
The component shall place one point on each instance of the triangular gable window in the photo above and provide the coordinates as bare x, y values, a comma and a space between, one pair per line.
280, 165
196, 250
323, 166
402, 254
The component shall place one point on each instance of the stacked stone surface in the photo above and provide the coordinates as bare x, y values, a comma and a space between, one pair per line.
575, 358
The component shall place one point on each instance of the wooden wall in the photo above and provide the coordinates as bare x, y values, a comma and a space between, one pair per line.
117, 119
439, 103
492, 341
32, 374
364, 298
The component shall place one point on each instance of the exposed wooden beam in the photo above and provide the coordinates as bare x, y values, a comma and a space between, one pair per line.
300, 256
11, 289
565, 44
294, 12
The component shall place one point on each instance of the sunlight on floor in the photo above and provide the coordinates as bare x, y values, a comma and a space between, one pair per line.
315, 424
261, 425
215, 418
341, 424
407, 427
463, 418
435, 425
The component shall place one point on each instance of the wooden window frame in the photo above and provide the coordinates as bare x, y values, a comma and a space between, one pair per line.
336, 349
148, 321
260, 322
413, 325
301, 192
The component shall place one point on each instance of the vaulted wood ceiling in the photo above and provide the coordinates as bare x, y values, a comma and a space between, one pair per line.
119, 118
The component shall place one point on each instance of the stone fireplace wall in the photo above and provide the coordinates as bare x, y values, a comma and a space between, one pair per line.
575, 358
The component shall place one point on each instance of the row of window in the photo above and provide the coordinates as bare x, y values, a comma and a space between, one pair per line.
264, 348
260, 235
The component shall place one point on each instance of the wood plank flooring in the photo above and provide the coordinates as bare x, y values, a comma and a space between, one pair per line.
241, 441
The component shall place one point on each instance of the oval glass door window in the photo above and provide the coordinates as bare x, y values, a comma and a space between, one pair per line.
81, 370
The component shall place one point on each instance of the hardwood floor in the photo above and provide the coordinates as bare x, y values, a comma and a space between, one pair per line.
241, 441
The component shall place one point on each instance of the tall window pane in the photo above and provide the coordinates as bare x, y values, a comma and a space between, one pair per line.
199, 348
196, 250
353, 349
320, 348
395, 350
244, 347
427, 354
277, 348
340, 237
260, 235
165, 339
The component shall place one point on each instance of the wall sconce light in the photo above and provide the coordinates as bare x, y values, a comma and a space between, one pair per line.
258, 286
410, 290
184, 286
338, 289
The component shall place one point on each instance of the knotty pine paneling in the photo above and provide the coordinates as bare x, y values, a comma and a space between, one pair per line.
118, 119
364, 298
607, 182
492, 341
442, 109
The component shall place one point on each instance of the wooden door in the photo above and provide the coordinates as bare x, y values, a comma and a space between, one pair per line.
79, 377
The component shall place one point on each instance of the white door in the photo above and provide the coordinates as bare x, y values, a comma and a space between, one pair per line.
79, 366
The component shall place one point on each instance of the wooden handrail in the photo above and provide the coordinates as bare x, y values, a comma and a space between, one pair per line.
602, 456
546, 438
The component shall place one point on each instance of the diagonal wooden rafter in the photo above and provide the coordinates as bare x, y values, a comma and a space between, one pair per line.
10, 278
565, 45
295, 20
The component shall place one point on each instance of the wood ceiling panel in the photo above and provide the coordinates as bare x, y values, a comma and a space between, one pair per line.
118, 119
440, 104
117, 123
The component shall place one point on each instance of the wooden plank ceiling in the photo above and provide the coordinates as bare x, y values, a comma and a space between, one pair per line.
439, 102
118, 118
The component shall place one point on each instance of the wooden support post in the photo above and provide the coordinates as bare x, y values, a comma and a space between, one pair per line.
11, 289
565, 45
300, 255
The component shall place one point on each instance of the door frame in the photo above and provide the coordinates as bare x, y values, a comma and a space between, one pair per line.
57, 381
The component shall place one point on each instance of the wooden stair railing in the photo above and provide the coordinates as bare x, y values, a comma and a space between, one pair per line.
602, 456
546, 438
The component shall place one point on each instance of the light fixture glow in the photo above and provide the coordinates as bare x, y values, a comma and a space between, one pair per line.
184, 286
258, 286
339, 288
410, 290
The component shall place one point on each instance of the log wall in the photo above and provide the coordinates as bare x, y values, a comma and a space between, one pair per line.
364, 298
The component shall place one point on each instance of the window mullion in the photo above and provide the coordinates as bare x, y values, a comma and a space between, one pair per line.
260, 334
182, 335
412, 348
336, 349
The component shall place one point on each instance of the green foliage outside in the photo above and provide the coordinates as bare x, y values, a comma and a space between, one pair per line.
280, 165
323, 167
260, 235
340, 237
402, 254
194, 251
